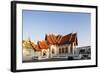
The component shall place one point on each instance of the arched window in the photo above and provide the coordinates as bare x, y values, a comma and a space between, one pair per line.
66, 50
62, 50
53, 51
44, 53
59, 50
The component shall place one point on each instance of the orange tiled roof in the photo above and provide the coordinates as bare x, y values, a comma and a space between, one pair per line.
53, 39
37, 48
65, 39
43, 44
58, 37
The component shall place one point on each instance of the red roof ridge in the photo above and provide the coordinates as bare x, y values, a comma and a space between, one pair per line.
71, 36
60, 40
58, 37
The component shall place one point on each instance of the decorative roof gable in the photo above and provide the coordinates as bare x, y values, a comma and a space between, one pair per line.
59, 39
43, 44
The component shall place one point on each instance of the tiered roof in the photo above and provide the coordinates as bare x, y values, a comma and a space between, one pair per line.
52, 39
59, 39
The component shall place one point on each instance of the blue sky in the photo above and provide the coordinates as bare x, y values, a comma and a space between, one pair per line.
38, 23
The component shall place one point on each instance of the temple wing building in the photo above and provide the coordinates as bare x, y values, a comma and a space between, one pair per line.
53, 46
